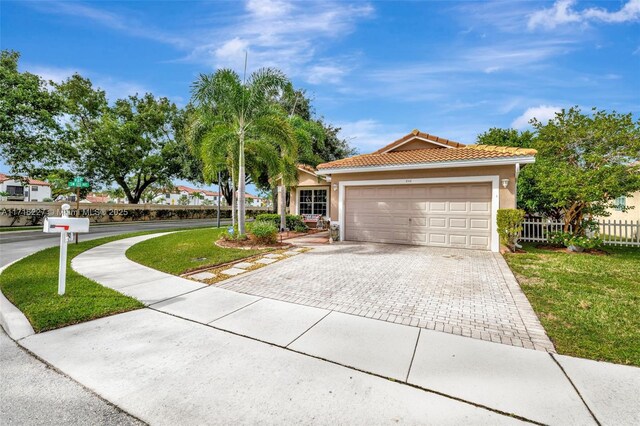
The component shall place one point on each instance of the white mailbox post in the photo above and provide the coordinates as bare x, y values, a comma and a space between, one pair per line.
66, 226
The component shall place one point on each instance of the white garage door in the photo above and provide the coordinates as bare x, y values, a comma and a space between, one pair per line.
446, 215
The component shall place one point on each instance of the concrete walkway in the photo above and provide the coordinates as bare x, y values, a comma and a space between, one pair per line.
202, 355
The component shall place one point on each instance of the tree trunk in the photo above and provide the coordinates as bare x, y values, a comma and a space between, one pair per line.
233, 207
274, 197
282, 196
241, 190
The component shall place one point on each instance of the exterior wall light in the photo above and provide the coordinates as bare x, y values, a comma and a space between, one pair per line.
505, 183
334, 186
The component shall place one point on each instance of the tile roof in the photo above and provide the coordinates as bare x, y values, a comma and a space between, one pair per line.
429, 155
30, 181
417, 133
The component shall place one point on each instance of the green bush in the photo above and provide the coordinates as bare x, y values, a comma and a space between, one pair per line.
567, 239
265, 232
233, 236
510, 226
293, 221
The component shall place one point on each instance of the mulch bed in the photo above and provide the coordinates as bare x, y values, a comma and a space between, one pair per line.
250, 244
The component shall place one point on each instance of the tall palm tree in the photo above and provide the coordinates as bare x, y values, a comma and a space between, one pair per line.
237, 116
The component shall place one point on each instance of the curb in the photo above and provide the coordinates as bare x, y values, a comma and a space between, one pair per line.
12, 319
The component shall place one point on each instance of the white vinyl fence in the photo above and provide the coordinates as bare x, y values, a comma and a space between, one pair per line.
612, 232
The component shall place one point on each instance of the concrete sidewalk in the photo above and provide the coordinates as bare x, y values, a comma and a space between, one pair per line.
210, 355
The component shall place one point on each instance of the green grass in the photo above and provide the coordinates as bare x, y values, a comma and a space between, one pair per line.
185, 251
31, 284
588, 304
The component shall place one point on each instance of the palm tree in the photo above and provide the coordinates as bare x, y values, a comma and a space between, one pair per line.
235, 116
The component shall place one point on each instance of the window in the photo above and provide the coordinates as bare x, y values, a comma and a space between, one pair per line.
313, 201
34, 189
15, 190
621, 203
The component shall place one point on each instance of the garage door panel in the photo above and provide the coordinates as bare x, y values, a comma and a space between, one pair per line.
446, 215
458, 223
481, 224
437, 206
437, 222
479, 240
484, 207
458, 206
458, 240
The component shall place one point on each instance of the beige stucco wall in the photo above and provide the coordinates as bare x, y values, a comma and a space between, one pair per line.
632, 214
306, 180
507, 195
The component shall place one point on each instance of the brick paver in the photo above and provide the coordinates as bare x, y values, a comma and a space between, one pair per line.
465, 292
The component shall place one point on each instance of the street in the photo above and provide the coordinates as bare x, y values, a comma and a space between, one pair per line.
14, 245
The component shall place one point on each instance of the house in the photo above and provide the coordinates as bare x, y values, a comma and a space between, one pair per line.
24, 190
191, 196
631, 204
93, 197
253, 201
420, 189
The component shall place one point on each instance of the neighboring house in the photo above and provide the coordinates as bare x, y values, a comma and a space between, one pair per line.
17, 190
253, 201
420, 189
632, 214
191, 196
96, 198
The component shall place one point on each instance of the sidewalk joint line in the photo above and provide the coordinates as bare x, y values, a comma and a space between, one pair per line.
455, 398
305, 332
233, 312
415, 349
576, 389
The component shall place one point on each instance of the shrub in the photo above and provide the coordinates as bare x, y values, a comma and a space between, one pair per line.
292, 221
567, 239
265, 232
233, 236
510, 226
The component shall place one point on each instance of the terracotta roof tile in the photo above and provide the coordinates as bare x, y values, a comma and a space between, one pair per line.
30, 181
418, 133
428, 155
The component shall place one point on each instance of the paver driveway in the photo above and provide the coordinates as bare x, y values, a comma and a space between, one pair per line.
465, 292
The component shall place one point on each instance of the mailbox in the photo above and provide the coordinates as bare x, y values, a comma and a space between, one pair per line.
65, 224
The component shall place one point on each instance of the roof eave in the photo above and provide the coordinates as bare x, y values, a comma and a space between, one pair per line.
432, 165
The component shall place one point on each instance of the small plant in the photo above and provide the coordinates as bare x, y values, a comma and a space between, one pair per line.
301, 228
292, 221
510, 227
264, 232
575, 242
233, 235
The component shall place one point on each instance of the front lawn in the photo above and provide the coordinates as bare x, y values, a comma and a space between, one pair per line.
588, 304
185, 251
31, 284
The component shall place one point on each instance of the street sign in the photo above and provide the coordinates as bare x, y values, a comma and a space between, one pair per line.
66, 226
78, 182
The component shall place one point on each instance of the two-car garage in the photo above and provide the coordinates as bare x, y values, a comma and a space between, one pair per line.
445, 215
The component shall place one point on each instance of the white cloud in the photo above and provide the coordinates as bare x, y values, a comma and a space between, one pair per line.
542, 113
286, 34
318, 74
368, 135
563, 12
114, 88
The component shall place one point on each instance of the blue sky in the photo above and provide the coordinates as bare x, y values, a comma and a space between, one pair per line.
376, 69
